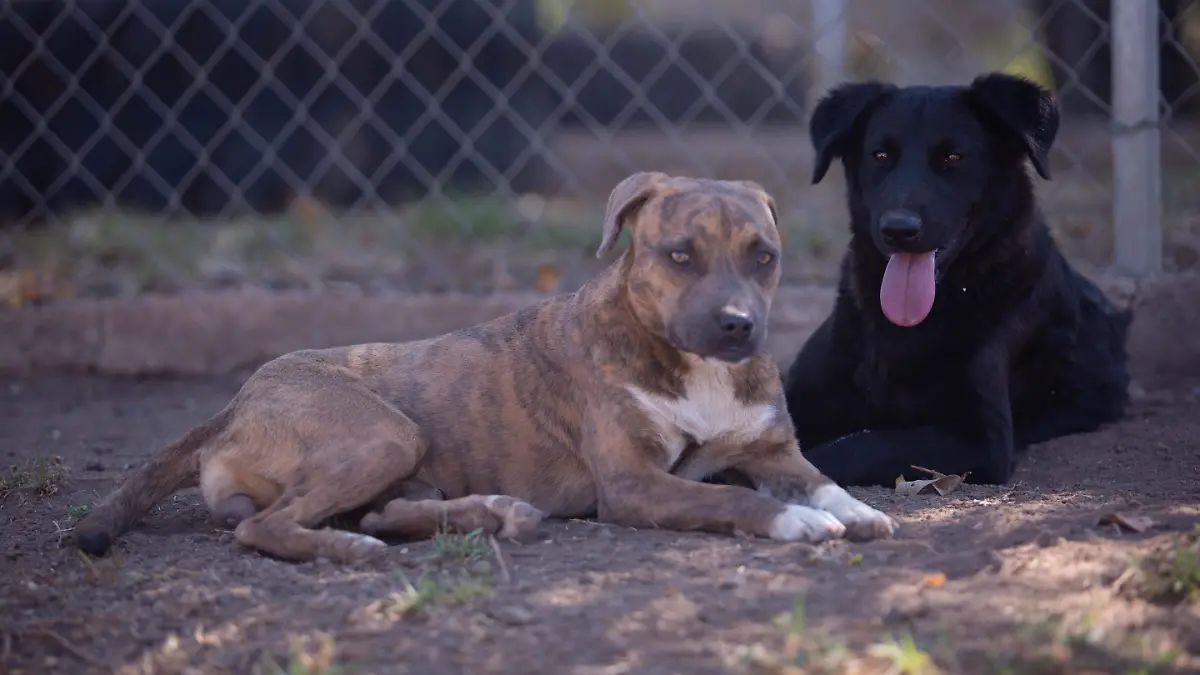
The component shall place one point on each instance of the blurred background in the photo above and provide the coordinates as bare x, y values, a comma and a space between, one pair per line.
469, 145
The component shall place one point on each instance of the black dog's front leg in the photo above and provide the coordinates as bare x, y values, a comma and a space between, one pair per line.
979, 440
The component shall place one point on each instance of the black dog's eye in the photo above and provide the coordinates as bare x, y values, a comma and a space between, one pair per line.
765, 258
882, 156
680, 258
951, 158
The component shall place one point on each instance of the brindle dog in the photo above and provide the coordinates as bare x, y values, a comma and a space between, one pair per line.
614, 401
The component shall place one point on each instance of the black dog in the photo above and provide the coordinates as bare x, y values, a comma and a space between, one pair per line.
960, 334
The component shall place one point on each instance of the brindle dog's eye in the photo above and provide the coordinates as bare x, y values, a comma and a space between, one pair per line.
765, 258
952, 158
680, 257
882, 156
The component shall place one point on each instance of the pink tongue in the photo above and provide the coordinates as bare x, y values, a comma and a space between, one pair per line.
906, 294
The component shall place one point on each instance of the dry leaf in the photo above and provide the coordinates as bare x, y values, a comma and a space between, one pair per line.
1138, 524
22, 287
307, 208
548, 278
943, 485
16, 287
934, 580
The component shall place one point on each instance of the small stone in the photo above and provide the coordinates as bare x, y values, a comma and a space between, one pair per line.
511, 615
481, 567
570, 612
94, 466
1047, 539
906, 612
732, 581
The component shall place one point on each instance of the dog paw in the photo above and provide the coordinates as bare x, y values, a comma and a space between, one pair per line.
518, 519
351, 547
804, 523
862, 522
371, 523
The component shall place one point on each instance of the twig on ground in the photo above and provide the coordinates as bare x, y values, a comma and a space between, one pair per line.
931, 472
500, 558
1125, 578
66, 644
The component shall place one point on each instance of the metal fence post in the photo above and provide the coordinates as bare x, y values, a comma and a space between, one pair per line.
1137, 184
829, 21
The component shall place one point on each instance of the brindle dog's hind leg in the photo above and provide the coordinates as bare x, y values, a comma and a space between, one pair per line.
347, 465
493, 514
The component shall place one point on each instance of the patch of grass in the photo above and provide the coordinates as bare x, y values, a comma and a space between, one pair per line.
457, 242
531, 219
38, 475
429, 590
455, 547
805, 652
305, 659
105, 254
1050, 648
98, 572
903, 657
1171, 573
1043, 648
806, 237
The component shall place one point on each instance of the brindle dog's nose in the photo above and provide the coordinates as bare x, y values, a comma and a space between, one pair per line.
735, 324
899, 227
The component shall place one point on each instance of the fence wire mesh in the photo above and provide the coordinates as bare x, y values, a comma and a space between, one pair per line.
470, 144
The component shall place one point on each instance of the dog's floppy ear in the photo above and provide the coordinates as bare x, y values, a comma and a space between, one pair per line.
837, 116
764, 196
626, 197
1022, 108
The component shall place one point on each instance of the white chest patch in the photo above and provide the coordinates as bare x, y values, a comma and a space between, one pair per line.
708, 411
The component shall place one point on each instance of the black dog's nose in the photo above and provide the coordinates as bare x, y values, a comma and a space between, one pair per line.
735, 324
899, 227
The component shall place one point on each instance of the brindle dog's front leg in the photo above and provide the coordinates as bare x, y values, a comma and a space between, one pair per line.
634, 489
775, 465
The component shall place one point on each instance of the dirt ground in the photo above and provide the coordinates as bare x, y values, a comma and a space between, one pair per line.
1014, 579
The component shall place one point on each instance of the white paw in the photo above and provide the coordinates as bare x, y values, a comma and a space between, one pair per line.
862, 522
518, 518
361, 544
804, 523
366, 540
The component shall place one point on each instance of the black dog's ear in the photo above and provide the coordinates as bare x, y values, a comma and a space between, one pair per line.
1021, 108
837, 115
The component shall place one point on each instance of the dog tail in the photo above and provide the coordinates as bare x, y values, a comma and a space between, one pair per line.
172, 468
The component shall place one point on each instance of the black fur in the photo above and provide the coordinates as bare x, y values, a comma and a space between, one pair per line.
1018, 347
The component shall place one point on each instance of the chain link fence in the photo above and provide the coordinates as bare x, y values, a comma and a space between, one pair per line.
470, 144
